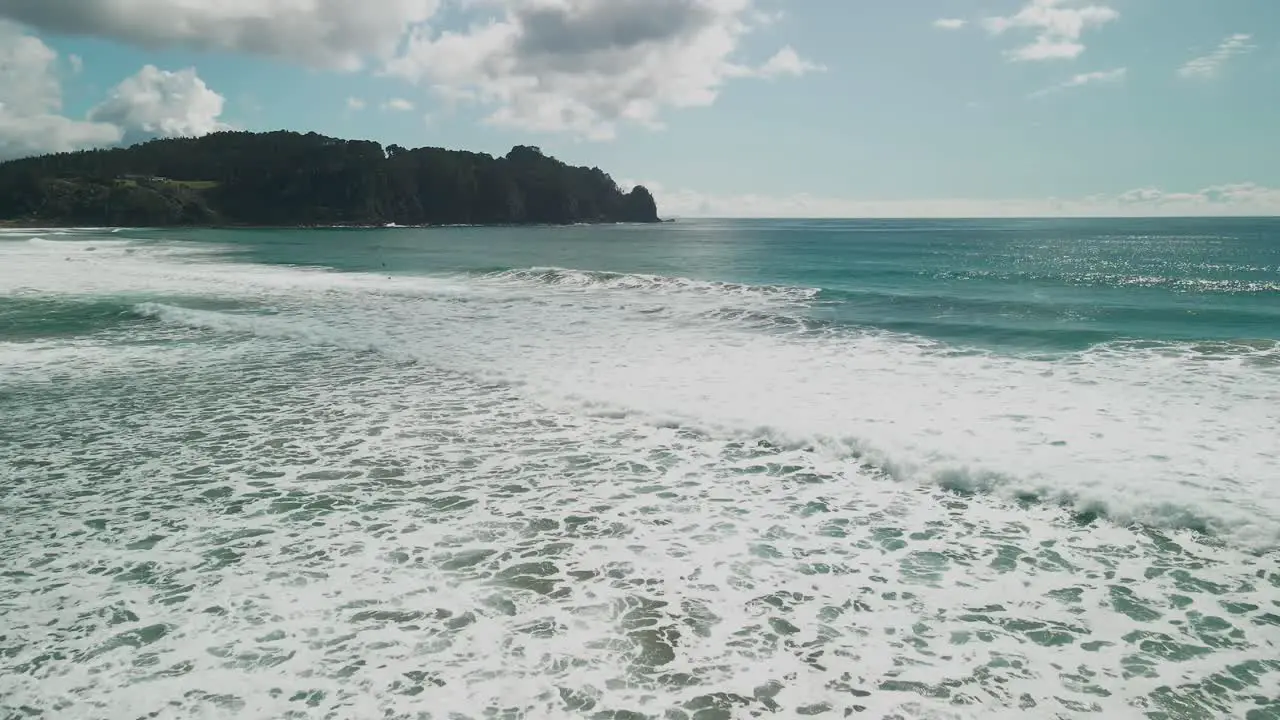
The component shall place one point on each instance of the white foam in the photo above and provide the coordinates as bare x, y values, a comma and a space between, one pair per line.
312, 493
128, 268
84, 245
1161, 434
329, 534
1172, 440
585, 279
44, 362
1166, 434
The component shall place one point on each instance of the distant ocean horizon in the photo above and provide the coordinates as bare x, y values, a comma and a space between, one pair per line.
710, 468
674, 217
973, 218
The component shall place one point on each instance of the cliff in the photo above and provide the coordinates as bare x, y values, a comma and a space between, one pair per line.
292, 179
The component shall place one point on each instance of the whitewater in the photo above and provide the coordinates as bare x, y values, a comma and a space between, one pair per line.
694, 471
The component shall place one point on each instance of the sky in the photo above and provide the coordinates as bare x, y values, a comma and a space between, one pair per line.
726, 108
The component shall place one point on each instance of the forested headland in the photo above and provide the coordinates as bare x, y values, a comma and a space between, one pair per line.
293, 179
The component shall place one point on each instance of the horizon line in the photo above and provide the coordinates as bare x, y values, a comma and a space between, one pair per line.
972, 217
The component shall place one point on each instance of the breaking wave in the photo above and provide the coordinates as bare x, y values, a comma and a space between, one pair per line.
596, 279
1020, 430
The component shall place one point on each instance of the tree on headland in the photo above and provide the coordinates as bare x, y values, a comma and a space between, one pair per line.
293, 179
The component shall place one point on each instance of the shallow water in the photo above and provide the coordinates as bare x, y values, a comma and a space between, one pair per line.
691, 471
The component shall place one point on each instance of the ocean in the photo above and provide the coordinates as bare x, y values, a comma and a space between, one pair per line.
695, 470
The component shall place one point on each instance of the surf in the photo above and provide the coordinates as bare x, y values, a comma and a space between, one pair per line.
1081, 432
589, 480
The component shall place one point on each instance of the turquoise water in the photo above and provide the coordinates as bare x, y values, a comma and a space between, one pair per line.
707, 469
1030, 284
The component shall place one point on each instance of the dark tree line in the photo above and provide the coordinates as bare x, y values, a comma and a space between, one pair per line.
288, 178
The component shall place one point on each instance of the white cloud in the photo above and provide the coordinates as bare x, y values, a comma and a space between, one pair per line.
1244, 198
327, 33
152, 103
580, 66
26, 135
77, 63
1108, 77
765, 17
787, 62
1239, 199
158, 103
28, 73
950, 23
398, 105
31, 102
1058, 24
1101, 76
355, 103
1207, 66
584, 66
1046, 49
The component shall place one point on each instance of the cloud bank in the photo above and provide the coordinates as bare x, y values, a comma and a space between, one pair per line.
31, 102
1239, 199
576, 66
587, 66
152, 103
326, 33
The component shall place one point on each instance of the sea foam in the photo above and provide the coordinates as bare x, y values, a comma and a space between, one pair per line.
1174, 439
340, 494
1157, 434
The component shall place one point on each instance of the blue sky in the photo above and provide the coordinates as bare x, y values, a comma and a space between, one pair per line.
723, 107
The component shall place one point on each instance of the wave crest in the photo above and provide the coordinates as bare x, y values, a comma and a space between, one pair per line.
599, 279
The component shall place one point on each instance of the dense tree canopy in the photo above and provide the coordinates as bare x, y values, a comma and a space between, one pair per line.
288, 178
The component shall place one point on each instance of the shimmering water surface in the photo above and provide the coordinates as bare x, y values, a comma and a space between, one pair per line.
698, 470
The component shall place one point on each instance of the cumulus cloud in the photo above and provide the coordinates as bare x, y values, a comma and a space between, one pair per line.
950, 23
1208, 66
1058, 25
398, 105
1238, 199
31, 102
327, 33
152, 103
355, 103
581, 66
584, 66
1103, 77
158, 103
28, 77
